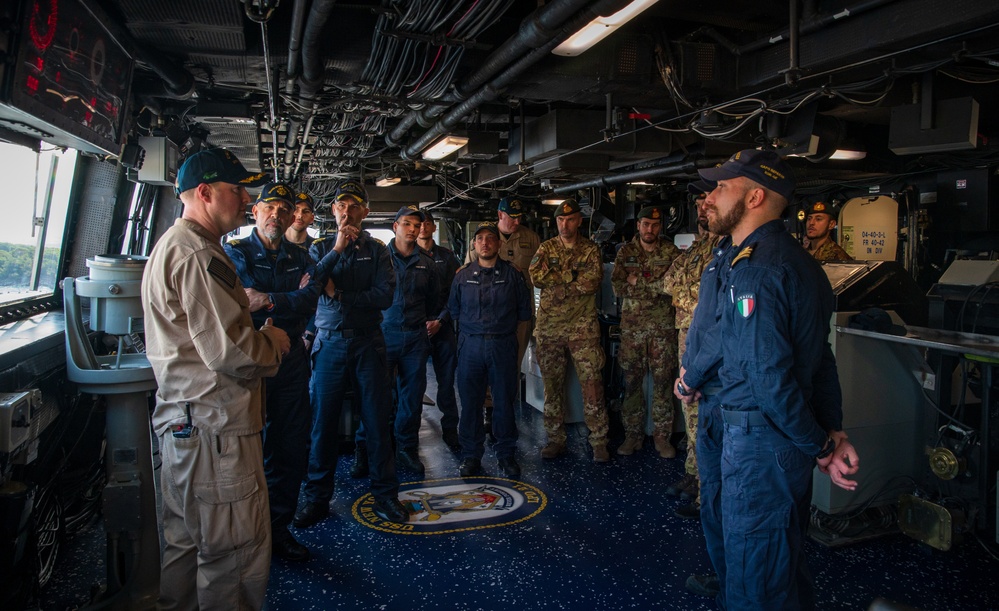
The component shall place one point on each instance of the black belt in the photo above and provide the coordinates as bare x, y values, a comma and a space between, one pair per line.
407, 328
348, 333
744, 418
711, 390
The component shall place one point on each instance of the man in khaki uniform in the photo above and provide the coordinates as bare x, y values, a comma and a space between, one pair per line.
648, 337
568, 270
682, 281
820, 221
208, 360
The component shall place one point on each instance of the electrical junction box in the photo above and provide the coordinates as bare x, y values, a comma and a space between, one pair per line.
160, 164
15, 418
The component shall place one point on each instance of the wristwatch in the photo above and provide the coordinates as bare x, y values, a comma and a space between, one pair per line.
826, 449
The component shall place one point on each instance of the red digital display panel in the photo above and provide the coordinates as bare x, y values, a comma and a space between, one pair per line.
71, 77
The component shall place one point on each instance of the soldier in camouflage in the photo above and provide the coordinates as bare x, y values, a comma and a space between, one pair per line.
820, 221
648, 335
568, 270
682, 282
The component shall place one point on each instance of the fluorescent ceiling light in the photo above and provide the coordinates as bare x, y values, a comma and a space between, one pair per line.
444, 147
387, 181
847, 155
552, 202
600, 28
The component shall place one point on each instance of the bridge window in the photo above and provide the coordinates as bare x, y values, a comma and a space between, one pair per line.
36, 202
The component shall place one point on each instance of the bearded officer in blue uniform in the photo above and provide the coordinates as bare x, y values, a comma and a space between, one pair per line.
488, 300
277, 278
780, 406
355, 271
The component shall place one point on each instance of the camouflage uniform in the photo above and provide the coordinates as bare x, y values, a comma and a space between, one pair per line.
830, 251
648, 334
682, 282
567, 327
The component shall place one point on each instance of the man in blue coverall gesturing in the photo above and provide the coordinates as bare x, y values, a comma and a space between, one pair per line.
277, 276
778, 411
489, 298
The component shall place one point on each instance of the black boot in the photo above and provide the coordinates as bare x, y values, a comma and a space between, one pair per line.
360, 467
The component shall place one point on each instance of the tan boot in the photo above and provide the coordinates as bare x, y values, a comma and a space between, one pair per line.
632, 443
664, 447
600, 453
552, 450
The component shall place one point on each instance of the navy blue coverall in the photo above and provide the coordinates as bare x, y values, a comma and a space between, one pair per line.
444, 343
487, 304
404, 324
780, 397
289, 414
349, 351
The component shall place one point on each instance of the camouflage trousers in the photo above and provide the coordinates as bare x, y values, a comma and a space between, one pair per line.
690, 413
643, 351
588, 357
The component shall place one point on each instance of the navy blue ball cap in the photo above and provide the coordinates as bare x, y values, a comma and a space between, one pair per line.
428, 216
513, 206
354, 189
277, 191
567, 207
487, 226
305, 198
763, 167
215, 165
410, 210
700, 187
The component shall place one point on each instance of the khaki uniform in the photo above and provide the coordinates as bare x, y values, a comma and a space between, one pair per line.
830, 251
518, 248
682, 281
568, 328
205, 353
648, 334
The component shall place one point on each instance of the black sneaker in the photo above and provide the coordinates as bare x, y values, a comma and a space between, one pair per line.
360, 467
286, 547
509, 466
470, 467
311, 514
409, 460
450, 437
691, 511
391, 510
677, 488
704, 585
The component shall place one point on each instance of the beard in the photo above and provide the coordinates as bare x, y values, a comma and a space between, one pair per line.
649, 238
723, 225
702, 223
272, 231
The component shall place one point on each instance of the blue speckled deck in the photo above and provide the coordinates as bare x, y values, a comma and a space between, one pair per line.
607, 540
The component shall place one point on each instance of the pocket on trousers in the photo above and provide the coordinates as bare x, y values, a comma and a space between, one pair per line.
230, 514
758, 554
790, 459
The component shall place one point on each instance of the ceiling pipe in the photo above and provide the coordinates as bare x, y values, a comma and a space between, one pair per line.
535, 30
295, 44
812, 25
492, 90
672, 169
313, 67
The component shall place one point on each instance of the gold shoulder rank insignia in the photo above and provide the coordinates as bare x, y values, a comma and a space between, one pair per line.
745, 253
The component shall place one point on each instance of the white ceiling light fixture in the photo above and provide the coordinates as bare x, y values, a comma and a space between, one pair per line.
600, 28
444, 146
552, 201
848, 155
387, 181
